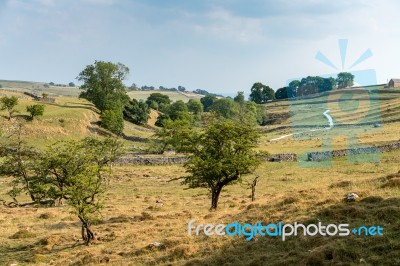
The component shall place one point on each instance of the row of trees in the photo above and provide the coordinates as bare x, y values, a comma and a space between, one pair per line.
312, 85
10, 103
261, 93
191, 112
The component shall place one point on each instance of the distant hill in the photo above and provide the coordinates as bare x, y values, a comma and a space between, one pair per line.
39, 88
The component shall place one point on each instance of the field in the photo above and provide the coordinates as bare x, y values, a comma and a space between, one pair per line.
39, 88
144, 206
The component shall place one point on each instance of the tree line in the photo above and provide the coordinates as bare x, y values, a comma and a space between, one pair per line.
261, 93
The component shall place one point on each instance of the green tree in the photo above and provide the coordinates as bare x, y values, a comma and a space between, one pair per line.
225, 107
281, 93
239, 98
35, 110
195, 107
174, 135
207, 101
113, 120
19, 161
78, 172
9, 103
71, 84
162, 101
103, 84
256, 94
179, 111
261, 93
137, 112
221, 155
345, 80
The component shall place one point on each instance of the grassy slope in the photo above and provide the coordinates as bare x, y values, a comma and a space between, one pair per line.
132, 218
68, 118
310, 112
173, 95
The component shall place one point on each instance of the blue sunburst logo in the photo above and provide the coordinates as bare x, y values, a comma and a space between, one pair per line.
343, 51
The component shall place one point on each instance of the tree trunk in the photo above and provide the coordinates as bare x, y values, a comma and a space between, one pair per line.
87, 234
215, 196
253, 189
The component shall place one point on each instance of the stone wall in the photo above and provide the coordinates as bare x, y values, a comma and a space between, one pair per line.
327, 155
166, 160
159, 160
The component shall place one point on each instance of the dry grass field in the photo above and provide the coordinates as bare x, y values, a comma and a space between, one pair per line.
143, 205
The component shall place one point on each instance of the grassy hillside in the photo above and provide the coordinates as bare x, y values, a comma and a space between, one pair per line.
144, 206
348, 108
39, 88
173, 95
67, 118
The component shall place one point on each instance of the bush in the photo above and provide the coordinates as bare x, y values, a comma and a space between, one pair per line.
113, 120
35, 110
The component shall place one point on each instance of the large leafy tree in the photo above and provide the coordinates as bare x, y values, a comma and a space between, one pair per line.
221, 155
103, 84
344, 80
261, 93
9, 103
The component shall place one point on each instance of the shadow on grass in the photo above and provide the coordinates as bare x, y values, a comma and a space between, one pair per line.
26, 253
315, 250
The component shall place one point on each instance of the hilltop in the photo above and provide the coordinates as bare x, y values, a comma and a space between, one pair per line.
41, 87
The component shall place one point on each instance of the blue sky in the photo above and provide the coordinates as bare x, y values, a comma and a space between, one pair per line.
220, 46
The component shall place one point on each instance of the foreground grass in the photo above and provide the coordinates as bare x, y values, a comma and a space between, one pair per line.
142, 207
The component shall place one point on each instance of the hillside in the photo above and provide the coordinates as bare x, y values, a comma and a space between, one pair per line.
352, 111
39, 88
67, 118
145, 204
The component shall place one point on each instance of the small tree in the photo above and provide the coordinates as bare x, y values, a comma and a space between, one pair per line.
225, 107
239, 98
35, 110
207, 101
221, 155
9, 103
78, 172
162, 100
195, 107
113, 120
344, 80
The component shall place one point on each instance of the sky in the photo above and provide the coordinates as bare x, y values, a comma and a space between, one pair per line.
220, 46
